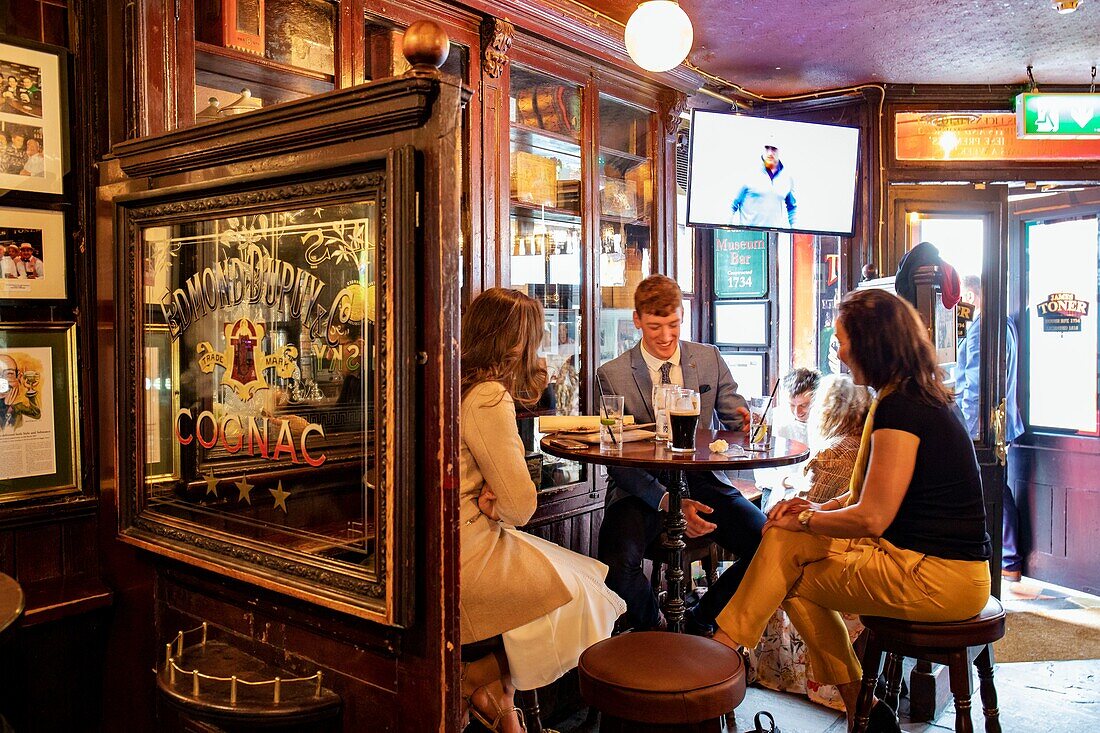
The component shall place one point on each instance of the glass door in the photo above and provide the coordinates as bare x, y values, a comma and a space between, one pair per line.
547, 243
625, 167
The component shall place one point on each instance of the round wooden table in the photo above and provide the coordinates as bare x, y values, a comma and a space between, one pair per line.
652, 455
11, 602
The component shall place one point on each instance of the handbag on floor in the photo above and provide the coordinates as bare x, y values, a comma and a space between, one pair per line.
760, 724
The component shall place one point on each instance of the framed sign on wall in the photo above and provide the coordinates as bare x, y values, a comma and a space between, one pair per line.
740, 264
741, 323
749, 370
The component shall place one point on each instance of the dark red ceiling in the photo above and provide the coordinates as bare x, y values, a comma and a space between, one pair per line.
825, 44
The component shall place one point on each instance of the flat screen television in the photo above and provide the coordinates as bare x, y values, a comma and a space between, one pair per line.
757, 173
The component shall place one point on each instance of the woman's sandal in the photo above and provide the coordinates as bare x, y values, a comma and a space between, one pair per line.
493, 725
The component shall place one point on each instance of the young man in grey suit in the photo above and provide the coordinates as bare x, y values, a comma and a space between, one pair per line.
636, 498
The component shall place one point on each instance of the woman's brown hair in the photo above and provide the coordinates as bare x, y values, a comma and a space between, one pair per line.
890, 345
501, 331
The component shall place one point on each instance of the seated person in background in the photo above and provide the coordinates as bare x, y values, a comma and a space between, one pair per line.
836, 418
11, 264
636, 498
799, 385
910, 541
548, 604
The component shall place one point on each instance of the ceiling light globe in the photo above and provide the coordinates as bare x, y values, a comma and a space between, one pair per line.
659, 35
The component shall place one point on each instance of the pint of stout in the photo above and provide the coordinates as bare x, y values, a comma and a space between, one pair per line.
683, 418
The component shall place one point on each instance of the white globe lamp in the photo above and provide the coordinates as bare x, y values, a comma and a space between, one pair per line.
659, 35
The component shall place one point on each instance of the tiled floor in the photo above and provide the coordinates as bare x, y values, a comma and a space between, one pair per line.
1033, 696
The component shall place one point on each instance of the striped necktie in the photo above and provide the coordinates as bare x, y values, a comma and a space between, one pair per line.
666, 369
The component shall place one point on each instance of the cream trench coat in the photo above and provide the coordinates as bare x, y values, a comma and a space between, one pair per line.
505, 582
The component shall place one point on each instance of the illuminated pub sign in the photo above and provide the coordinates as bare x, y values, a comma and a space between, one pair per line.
981, 136
259, 359
1052, 116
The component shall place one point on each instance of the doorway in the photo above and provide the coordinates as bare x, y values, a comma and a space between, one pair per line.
1055, 465
968, 226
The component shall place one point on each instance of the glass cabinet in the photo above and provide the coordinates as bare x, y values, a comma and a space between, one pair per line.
254, 54
626, 214
581, 212
547, 237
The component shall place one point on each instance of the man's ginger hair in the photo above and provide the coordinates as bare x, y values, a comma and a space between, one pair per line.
658, 295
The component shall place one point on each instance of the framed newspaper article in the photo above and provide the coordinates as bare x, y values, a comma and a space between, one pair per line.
39, 437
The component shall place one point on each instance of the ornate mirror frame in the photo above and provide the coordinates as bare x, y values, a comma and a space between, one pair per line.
381, 588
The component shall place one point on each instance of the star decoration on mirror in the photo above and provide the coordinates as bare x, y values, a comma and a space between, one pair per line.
245, 490
280, 497
211, 484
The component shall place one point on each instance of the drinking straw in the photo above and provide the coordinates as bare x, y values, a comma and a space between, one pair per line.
771, 400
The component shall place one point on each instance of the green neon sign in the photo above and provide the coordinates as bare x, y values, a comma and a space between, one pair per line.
1066, 116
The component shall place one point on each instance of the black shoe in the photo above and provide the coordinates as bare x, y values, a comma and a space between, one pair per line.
696, 627
883, 719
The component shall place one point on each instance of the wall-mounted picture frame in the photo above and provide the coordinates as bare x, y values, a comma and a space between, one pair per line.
750, 371
39, 404
32, 99
742, 323
32, 254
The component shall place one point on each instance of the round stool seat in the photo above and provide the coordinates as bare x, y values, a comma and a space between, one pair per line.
662, 678
985, 628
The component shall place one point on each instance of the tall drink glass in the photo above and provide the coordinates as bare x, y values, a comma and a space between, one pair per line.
758, 428
663, 394
611, 423
683, 418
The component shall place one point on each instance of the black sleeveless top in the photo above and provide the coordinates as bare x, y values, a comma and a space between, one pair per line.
943, 512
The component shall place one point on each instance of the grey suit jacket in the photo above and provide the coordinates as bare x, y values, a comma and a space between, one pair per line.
705, 372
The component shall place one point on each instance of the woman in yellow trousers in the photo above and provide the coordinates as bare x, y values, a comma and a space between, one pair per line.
907, 541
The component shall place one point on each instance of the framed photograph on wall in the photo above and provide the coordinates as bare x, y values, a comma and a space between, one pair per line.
39, 435
742, 323
32, 254
749, 370
32, 98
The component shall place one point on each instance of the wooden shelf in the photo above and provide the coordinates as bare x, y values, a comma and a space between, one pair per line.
643, 222
535, 138
249, 69
524, 210
639, 159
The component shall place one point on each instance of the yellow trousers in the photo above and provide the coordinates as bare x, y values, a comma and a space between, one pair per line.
814, 577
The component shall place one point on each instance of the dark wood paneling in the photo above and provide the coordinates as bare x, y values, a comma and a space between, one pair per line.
1059, 504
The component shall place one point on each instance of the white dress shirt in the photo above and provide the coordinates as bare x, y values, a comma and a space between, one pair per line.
675, 375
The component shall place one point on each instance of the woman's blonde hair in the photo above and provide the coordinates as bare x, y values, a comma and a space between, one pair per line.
839, 407
890, 346
501, 331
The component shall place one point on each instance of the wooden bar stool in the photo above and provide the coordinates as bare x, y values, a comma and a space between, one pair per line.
956, 644
657, 682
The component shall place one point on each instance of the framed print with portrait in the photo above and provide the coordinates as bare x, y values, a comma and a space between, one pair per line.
39, 437
32, 138
32, 254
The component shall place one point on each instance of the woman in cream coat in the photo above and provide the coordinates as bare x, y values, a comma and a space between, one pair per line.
548, 603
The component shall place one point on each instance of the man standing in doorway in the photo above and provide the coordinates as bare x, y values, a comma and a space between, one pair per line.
636, 498
766, 198
969, 399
